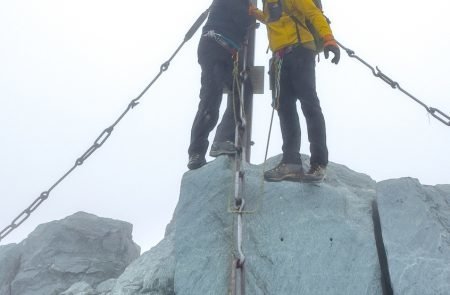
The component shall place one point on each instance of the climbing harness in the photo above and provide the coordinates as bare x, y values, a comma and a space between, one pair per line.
223, 41
101, 139
438, 114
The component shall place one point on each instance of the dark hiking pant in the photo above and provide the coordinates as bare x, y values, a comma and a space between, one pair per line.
217, 73
297, 81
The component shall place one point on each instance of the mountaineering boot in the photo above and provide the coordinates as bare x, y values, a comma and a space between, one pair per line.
285, 171
316, 173
196, 161
222, 148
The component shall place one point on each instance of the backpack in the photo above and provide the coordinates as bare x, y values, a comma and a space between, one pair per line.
309, 26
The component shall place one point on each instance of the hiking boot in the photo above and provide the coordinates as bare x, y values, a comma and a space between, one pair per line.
285, 171
316, 173
222, 148
196, 161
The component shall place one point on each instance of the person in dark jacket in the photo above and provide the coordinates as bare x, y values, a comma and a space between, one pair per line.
222, 36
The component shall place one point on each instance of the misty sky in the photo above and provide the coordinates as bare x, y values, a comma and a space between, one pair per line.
68, 69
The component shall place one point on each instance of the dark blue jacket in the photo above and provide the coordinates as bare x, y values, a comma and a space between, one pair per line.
229, 18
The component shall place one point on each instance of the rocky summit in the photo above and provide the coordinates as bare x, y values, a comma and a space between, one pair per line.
347, 235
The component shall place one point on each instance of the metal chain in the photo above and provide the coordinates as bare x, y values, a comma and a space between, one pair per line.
238, 281
101, 138
438, 114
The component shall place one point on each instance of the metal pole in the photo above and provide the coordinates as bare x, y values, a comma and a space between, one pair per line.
249, 111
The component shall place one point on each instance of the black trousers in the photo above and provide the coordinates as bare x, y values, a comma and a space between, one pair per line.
217, 73
298, 81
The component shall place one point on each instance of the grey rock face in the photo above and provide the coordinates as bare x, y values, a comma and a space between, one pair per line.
302, 238
9, 266
152, 273
203, 229
80, 288
297, 238
415, 221
313, 239
81, 247
104, 288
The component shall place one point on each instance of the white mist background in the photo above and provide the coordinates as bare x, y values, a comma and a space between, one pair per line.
68, 69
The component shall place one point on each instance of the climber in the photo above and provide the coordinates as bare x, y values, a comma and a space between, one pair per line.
294, 50
222, 37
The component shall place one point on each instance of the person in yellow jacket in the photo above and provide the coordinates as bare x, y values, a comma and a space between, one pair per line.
293, 70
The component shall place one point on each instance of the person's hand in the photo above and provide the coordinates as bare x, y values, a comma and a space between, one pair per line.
331, 45
336, 51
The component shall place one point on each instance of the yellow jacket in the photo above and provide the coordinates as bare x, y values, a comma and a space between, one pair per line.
283, 32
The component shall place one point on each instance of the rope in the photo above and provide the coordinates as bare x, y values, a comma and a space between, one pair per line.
275, 105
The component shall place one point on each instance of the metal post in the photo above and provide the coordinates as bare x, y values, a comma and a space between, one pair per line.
249, 112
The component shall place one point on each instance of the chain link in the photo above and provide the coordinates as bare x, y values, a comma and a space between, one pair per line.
436, 113
101, 139
239, 78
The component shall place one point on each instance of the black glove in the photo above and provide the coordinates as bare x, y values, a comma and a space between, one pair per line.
336, 51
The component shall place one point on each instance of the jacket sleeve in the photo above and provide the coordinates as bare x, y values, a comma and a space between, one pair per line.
315, 16
258, 14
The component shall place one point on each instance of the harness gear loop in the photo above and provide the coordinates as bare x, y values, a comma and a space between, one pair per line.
223, 41
102, 137
436, 113
276, 63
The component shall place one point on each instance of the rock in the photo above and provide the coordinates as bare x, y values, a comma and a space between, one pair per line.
152, 273
348, 235
297, 238
9, 266
80, 288
415, 222
104, 288
81, 247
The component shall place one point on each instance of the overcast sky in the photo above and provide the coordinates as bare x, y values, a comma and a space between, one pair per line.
68, 69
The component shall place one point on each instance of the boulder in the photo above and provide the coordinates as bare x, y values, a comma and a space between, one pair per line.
415, 222
79, 248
